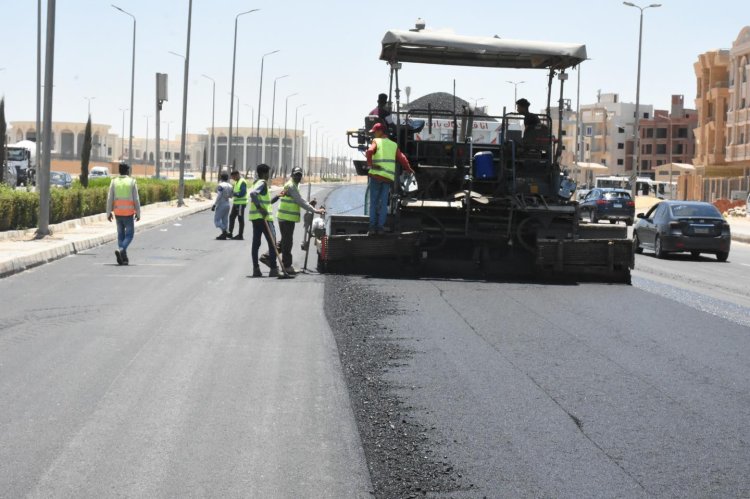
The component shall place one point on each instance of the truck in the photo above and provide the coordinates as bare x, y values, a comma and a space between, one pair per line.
21, 157
498, 208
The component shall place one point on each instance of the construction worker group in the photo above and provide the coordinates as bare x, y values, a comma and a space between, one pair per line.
258, 197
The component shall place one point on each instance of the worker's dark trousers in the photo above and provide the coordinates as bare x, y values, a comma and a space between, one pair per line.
238, 211
287, 241
259, 231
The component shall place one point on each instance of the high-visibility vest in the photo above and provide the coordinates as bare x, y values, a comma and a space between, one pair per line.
237, 186
265, 202
288, 207
123, 204
384, 159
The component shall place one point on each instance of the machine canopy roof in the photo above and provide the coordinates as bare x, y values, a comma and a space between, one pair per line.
439, 48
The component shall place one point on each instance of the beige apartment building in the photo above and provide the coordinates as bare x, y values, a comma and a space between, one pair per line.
738, 115
711, 104
668, 136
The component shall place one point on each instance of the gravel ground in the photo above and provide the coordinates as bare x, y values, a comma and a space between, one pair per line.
399, 450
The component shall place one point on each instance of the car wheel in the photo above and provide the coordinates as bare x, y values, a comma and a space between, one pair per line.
592, 216
695, 254
613, 222
722, 256
637, 244
629, 222
658, 250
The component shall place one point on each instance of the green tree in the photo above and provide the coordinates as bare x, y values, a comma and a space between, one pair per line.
3, 129
86, 154
203, 171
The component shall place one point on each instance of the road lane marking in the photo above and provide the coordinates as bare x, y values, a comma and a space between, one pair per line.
134, 275
146, 265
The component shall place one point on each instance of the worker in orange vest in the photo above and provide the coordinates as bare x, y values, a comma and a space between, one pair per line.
124, 203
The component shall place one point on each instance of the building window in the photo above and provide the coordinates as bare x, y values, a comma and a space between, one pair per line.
649, 133
589, 131
620, 145
682, 133
604, 161
620, 129
647, 149
661, 133
661, 148
620, 162
645, 164
659, 162
645, 116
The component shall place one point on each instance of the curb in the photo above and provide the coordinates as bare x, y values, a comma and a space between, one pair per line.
64, 249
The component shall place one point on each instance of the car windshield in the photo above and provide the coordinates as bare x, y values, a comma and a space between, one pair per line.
616, 195
694, 210
56, 176
16, 154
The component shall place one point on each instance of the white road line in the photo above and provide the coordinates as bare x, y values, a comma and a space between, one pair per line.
745, 264
146, 264
134, 275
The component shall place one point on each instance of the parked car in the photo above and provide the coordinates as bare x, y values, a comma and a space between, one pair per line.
99, 171
678, 226
60, 179
604, 203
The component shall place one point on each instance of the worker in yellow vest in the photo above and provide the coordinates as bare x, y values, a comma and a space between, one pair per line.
382, 156
289, 214
262, 219
239, 202
124, 203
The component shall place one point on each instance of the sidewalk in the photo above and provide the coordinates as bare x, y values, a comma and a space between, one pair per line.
740, 227
20, 251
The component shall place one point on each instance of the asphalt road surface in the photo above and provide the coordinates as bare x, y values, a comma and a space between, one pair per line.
180, 377
177, 376
529, 390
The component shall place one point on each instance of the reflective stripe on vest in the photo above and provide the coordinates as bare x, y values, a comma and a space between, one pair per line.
123, 204
237, 186
384, 159
288, 207
265, 202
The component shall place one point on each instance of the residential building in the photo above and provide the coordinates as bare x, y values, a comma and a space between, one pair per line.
608, 132
738, 115
711, 101
668, 136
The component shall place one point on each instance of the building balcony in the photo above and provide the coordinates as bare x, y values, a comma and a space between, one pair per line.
740, 152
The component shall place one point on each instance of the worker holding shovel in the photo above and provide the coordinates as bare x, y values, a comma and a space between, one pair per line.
262, 219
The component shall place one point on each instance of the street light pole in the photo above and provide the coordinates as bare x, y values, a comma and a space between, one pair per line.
122, 140
43, 172
515, 89
283, 142
259, 157
294, 148
273, 110
231, 99
309, 156
181, 185
145, 152
212, 145
132, 89
636, 126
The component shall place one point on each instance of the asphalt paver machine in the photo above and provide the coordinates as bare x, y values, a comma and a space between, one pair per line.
499, 207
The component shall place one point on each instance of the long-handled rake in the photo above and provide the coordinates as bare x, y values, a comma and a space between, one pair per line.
284, 274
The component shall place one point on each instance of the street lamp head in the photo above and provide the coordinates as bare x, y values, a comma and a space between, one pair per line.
175, 53
279, 77
246, 12
124, 11
629, 4
655, 5
270, 53
208, 77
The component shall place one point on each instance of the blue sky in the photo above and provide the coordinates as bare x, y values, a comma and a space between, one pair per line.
330, 51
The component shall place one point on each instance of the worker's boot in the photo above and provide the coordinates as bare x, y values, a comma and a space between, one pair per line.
124, 255
257, 272
118, 256
223, 236
274, 272
238, 237
265, 259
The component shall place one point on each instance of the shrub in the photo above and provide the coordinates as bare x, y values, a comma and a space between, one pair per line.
19, 209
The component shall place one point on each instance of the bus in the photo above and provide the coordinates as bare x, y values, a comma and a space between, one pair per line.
645, 186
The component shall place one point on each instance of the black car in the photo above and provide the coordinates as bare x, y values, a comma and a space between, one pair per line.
678, 226
60, 179
608, 204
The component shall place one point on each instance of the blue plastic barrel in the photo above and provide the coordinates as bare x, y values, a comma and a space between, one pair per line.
483, 165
